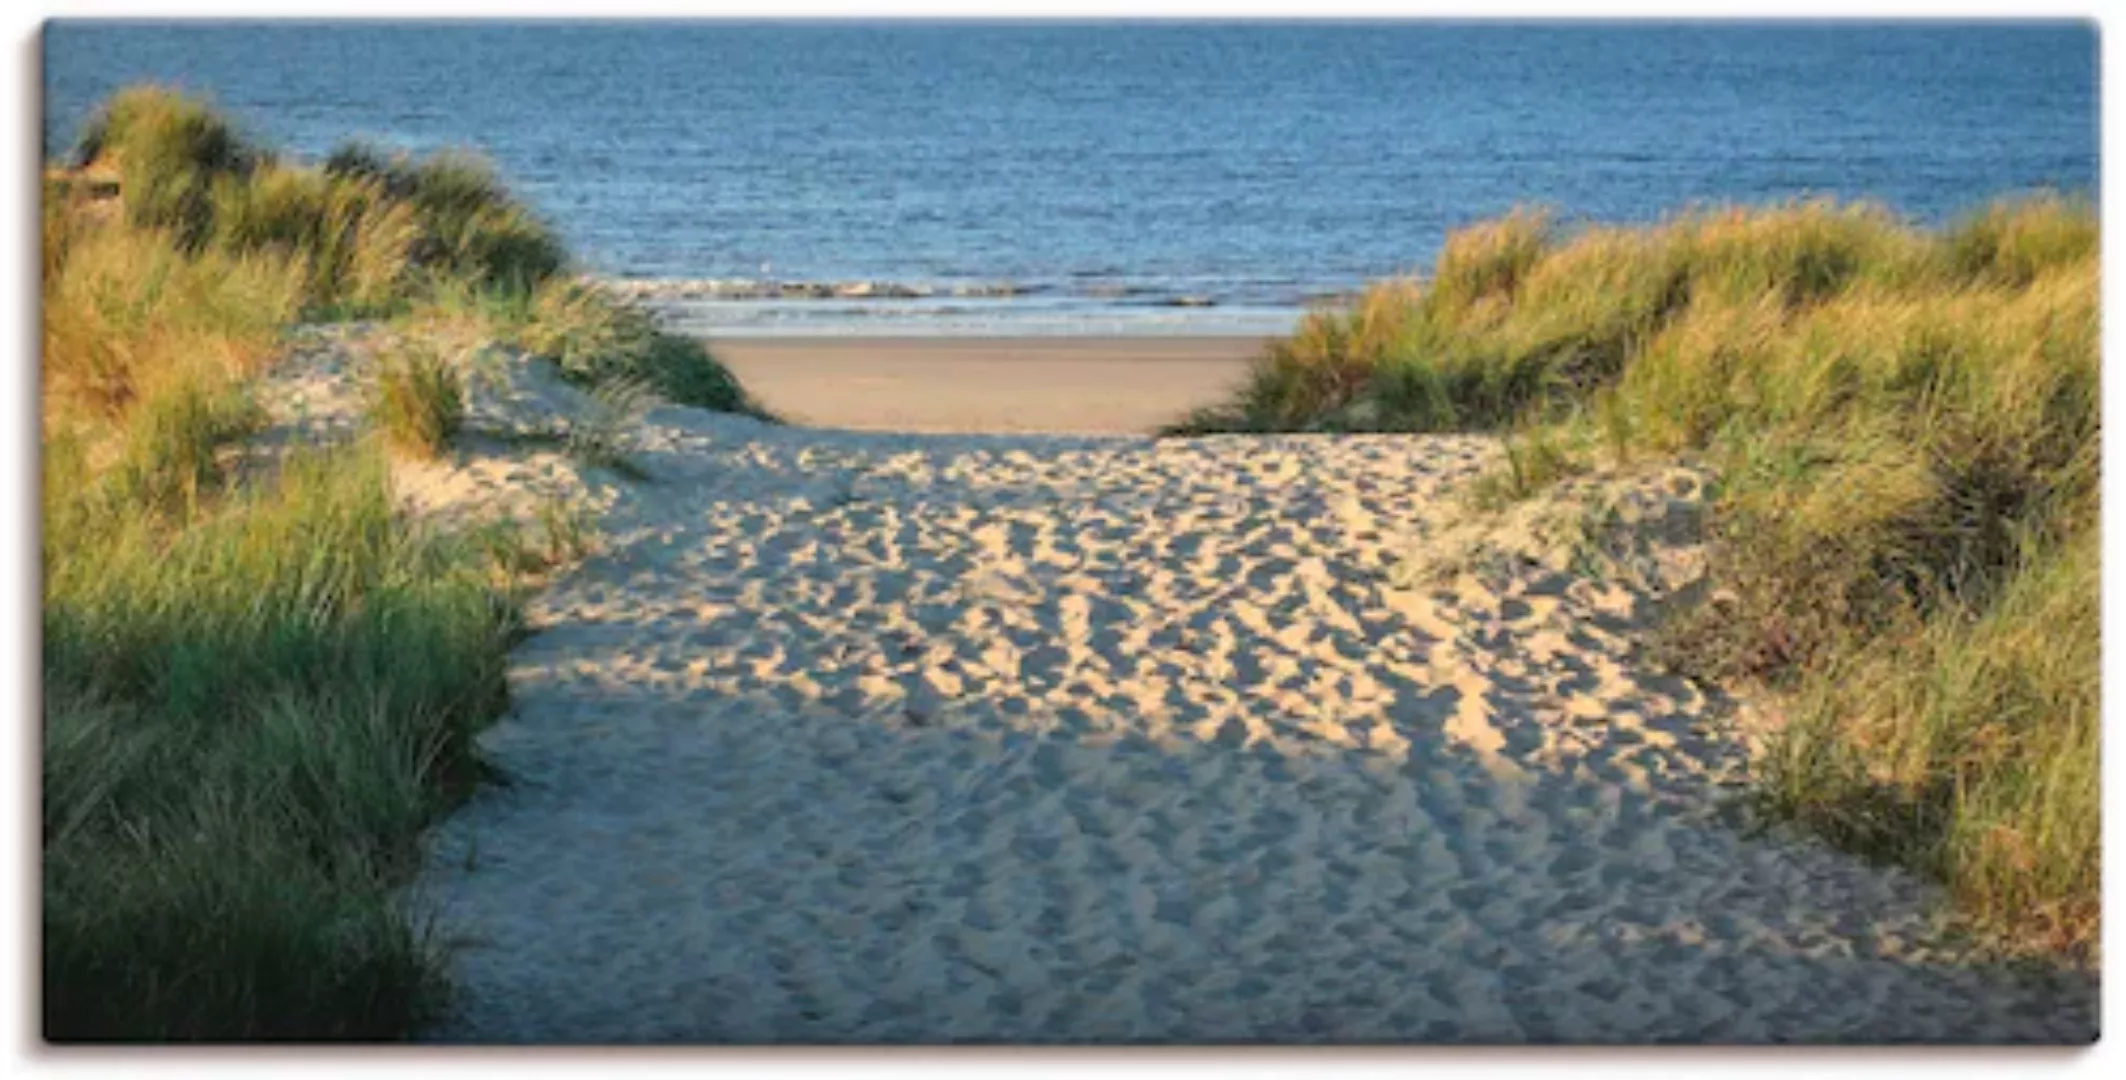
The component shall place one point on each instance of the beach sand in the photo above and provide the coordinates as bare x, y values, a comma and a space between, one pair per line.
889, 737
1053, 385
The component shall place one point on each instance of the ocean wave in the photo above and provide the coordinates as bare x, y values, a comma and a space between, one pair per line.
873, 295
760, 289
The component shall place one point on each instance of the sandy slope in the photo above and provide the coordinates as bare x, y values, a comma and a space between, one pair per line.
863, 737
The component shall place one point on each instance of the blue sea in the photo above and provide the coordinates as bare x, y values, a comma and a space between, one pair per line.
762, 178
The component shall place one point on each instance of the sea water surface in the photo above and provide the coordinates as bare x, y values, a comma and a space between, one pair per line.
940, 177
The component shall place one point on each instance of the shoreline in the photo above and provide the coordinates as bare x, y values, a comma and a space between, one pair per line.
1105, 385
746, 308
1187, 291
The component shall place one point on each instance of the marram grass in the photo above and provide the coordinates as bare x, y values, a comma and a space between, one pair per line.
418, 400
248, 715
260, 683
1906, 426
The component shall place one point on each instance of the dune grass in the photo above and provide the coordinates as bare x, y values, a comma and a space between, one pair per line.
418, 400
469, 227
249, 714
169, 152
370, 233
1906, 428
259, 682
599, 341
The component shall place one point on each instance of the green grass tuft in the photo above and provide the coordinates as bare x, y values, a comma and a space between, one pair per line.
469, 226
353, 242
597, 339
418, 399
248, 715
169, 152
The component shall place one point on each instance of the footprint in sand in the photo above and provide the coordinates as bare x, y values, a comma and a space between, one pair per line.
1085, 739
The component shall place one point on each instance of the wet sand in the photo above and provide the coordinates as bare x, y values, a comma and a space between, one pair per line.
1075, 386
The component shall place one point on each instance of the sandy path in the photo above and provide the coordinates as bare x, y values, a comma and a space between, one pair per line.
854, 737
1050, 385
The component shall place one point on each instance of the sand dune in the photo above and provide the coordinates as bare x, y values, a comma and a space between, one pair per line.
885, 737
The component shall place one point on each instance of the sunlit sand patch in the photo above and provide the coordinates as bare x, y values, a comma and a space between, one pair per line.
872, 737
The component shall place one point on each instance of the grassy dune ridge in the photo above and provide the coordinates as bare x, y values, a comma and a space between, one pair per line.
1906, 424
260, 681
